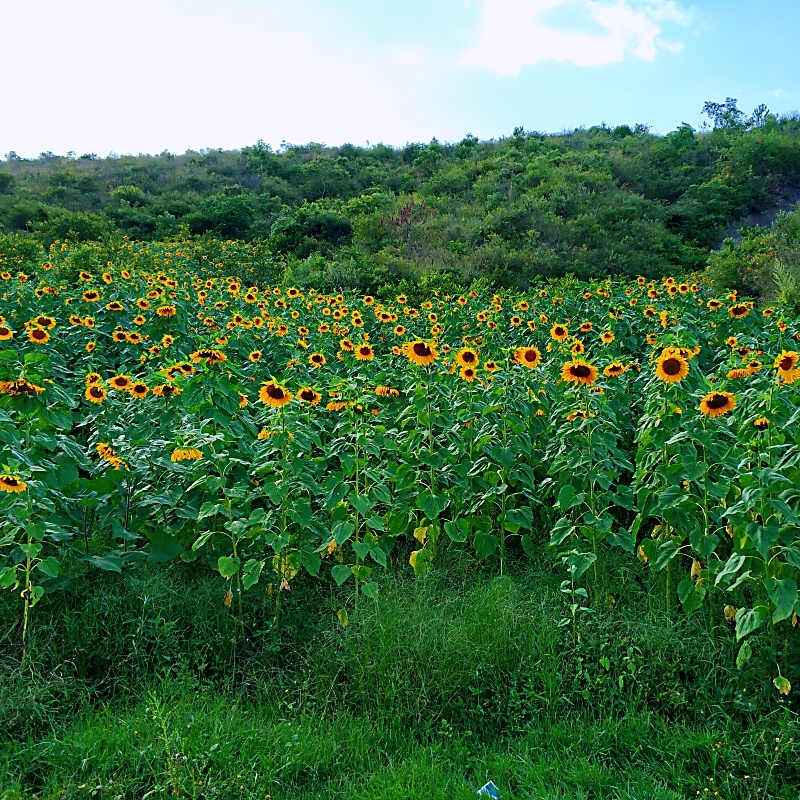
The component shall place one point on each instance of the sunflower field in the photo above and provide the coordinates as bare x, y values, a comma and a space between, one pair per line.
165, 406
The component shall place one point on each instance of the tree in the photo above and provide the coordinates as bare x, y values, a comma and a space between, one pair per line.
724, 115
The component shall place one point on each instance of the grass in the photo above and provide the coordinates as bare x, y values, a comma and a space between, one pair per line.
140, 688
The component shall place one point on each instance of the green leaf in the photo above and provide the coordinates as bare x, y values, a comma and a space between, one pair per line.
522, 517
311, 561
744, 655
202, 539
342, 531
228, 566
783, 595
431, 505
360, 502
565, 497
49, 566
340, 573
378, 555
457, 530
690, 595
163, 547
749, 620
251, 572
731, 567
577, 563
561, 530
109, 563
529, 547
485, 544
763, 537
376, 524
361, 549
369, 589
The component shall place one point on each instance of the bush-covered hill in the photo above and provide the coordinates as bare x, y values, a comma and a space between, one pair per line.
589, 201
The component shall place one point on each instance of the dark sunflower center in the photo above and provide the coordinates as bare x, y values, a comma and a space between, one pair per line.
38, 334
275, 392
559, 331
580, 371
422, 350
671, 366
365, 351
468, 357
738, 310
717, 401
531, 356
96, 391
307, 394
786, 363
12, 482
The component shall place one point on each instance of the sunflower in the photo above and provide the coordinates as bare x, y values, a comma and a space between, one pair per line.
577, 348
737, 374
420, 352
120, 382
529, 357
5, 333
606, 337
43, 321
274, 395
490, 366
467, 374
20, 387
386, 391
94, 378
672, 367
166, 311
586, 327
143, 304
90, 346
715, 404
119, 336
762, 423
579, 371
12, 484
614, 369
255, 356
317, 360
740, 310
91, 296
38, 335
786, 361
466, 357
95, 393
559, 332
309, 395
186, 454
516, 321
166, 390
399, 330
139, 390
364, 352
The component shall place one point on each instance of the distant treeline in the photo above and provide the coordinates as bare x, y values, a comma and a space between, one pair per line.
588, 202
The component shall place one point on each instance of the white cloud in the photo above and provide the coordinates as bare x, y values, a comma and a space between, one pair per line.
778, 93
516, 33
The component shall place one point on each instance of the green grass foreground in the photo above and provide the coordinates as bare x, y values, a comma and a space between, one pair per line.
142, 688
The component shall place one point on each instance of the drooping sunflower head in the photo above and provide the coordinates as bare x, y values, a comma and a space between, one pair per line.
12, 484
420, 352
274, 395
761, 424
579, 371
715, 404
309, 395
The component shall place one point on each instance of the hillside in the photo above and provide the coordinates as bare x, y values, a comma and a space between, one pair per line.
590, 201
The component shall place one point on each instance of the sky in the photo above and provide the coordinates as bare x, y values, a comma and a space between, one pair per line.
145, 76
